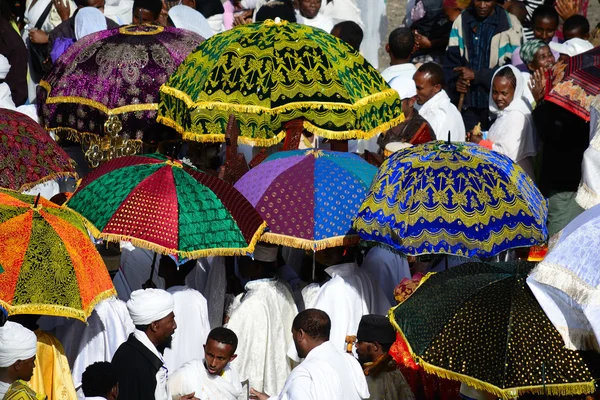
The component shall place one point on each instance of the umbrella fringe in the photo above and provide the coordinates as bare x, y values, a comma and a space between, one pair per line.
51, 177
355, 133
566, 281
307, 244
586, 197
57, 310
79, 137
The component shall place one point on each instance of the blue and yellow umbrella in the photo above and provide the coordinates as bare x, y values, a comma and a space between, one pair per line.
457, 198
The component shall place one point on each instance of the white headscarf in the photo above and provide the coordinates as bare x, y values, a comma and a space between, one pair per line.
148, 305
89, 20
16, 343
519, 102
187, 18
4, 67
405, 86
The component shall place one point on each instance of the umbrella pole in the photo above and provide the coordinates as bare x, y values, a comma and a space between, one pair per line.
314, 268
37, 199
152, 269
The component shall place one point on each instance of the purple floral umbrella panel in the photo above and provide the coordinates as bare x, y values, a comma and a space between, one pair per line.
114, 72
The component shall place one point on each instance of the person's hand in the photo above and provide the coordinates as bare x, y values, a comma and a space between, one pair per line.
462, 86
63, 9
255, 394
567, 8
421, 41
537, 84
190, 396
243, 18
38, 36
475, 138
465, 73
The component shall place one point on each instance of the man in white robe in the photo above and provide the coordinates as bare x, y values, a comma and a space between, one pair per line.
386, 269
434, 104
191, 314
348, 296
309, 11
326, 372
18, 348
212, 378
262, 322
400, 46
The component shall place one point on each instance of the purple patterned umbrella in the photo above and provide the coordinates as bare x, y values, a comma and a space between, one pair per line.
115, 72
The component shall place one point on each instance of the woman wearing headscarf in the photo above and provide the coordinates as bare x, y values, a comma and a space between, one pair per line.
536, 54
513, 133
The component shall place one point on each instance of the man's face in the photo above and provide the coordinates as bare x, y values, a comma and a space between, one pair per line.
165, 328
407, 105
99, 4
544, 29
25, 368
146, 16
363, 350
543, 59
425, 90
309, 8
217, 355
484, 8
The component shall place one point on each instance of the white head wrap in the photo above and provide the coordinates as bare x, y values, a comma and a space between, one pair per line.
187, 18
405, 87
265, 252
4, 67
519, 102
148, 305
89, 20
572, 47
16, 343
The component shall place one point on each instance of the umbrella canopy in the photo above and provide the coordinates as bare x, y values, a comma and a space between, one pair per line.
112, 73
479, 324
577, 83
51, 267
168, 207
28, 155
267, 74
308, 197
457, 198
567, 283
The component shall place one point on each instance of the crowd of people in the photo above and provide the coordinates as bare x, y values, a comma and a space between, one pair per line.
284, 323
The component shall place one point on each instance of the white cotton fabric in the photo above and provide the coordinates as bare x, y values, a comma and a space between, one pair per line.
342, 10
148, 305
588, 194
386, 269
406, 71
216, 23
4, 67
120, 11
187, 18
348, 296
16, 343
194, 378
162, 385
321, 21
263, 324
6, 100
572, 47
326, 373
89, 20
374, 15
443, 116
191, 316
513, 132
405, 87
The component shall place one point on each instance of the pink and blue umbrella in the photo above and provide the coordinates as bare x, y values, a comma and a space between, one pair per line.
309, 197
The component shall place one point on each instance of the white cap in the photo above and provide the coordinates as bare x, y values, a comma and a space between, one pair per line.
405, 87
572, 47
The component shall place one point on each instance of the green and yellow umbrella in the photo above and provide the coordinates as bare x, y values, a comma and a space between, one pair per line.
267, 74
51, 266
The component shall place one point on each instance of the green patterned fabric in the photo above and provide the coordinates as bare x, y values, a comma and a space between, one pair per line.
267, 74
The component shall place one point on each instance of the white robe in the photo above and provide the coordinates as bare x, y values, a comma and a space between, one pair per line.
387, 269
106, 329
443, 116
348, 296
321, 21
342, 10
404, 71
588, 194
210, 278
326, 374
191, 316
374, 16
263, 324
192, 377
6, 101
120, 11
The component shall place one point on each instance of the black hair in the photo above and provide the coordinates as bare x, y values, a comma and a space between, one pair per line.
208, 8
402, 43
225, 336
98, 379
154, 6
350, 32
508, 74
577, 22
315, 323
435, 72
142, 328
6, 11
277, 8
544, 11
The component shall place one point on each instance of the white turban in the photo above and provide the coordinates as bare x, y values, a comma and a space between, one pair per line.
405, 87
148, 305
4, 67
16, 343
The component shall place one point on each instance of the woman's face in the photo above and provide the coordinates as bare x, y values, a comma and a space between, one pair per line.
543, 59
502, 92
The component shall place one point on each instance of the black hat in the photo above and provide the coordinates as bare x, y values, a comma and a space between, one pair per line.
376, 328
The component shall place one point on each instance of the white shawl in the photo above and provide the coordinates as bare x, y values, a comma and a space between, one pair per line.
443, 116
588, 194
192, 377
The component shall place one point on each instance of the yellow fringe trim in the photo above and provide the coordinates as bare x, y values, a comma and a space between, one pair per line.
220, 138
306, 244
51, 177
255, 109
565, 389
586, 197
225, 252
355, 133
157, 29
59, 311
76, 136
